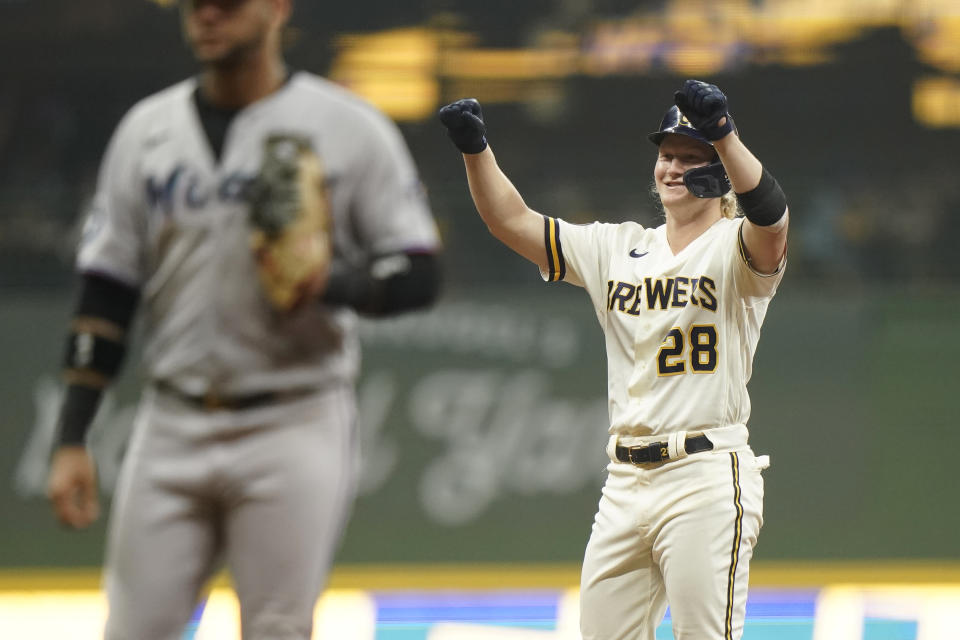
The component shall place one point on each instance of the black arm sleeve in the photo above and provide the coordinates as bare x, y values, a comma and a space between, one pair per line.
115, 303
766, 203
103, 297
389, 284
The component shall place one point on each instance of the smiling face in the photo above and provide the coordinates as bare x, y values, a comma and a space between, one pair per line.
678, 154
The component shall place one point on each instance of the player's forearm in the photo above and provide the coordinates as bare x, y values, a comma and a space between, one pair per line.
96, 347
750, 181
502, 207
742, 167
498, 202
762, 201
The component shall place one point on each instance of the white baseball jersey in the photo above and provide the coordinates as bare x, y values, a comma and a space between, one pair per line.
680, 330
171, 220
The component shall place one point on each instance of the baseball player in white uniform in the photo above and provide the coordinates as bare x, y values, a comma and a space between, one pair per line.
681, 307
244, 450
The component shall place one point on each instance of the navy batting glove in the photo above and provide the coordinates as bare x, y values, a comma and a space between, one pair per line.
464, 122
705, 106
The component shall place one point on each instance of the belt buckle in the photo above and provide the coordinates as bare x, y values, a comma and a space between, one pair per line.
656, 452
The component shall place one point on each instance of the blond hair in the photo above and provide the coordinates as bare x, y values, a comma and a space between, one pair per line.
729, 206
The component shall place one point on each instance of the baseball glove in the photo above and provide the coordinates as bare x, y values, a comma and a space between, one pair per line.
290, 222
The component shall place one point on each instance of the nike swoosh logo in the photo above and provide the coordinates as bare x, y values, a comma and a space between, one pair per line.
634, 254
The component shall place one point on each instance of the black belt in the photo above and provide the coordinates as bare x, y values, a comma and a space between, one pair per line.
659, 451
212, 401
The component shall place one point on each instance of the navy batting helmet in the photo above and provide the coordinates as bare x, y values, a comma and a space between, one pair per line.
675, 122
709, 181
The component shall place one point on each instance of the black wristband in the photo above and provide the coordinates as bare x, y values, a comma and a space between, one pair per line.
413, 283
76, 414
351, 287
765, 204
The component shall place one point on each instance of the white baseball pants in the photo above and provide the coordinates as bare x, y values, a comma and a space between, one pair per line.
680, 532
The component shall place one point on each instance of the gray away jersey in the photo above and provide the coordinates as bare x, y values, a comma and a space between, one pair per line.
681, 330
171, 221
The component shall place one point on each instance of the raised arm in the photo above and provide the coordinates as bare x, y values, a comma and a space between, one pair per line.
760, 197
498, 202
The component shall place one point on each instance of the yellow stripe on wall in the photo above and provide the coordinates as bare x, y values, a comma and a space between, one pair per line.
540, 576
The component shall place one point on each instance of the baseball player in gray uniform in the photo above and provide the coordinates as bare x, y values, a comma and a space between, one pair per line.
681, 307
244, 450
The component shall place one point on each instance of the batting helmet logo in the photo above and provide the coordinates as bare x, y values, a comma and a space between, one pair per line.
675, 122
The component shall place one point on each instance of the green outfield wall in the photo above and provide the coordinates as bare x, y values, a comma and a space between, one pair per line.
483, 424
